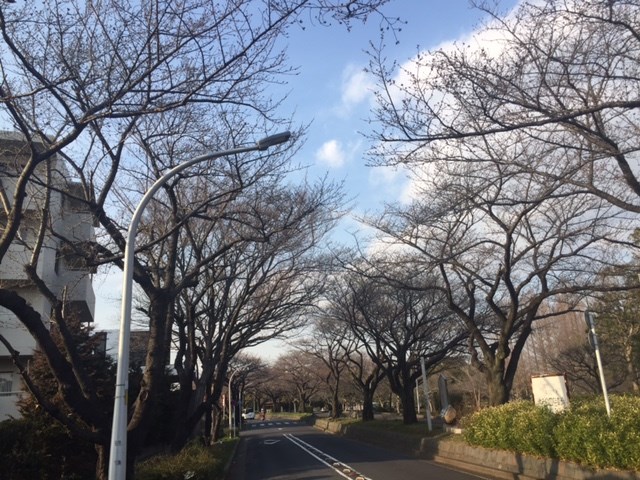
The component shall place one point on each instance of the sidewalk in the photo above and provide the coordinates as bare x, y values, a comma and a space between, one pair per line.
448, 450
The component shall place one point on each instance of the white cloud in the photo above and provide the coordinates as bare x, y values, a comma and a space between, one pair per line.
414, 76
332, 154
357, 85
357, 88
488, 38
386, 175
392, 183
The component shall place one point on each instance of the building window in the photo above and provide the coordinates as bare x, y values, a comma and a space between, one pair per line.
6, 383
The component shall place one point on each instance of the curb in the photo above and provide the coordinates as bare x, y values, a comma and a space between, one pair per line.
227, 467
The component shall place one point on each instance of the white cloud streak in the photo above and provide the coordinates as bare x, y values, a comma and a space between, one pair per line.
332, 154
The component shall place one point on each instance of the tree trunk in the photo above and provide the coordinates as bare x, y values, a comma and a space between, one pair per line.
367, 405
408, 404
497, 390
181, 430
631, 368
102, 463
216, 426
208, 422
336, 407
143, 411
185, 431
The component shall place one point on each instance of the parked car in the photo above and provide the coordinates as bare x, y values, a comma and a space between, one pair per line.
248, 414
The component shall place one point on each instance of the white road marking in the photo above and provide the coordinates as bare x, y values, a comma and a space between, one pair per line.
336, 465
270, 424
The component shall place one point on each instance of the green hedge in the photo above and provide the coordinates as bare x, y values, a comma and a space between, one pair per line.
40, 448
586, 435
194, 462
582, 434
517, 426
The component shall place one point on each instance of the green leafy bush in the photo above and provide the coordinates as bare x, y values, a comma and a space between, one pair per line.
40, 448
517, 426
586, 435
582, 434
194, 462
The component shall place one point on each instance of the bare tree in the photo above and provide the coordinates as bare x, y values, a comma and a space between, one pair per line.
296, 370
248, 371
522, 141
618, 327
256, 377
111, 89
578, 363
276, 389
399, 316
505, 244
366, 375
259, 272
563, 72
466, 382
331, 344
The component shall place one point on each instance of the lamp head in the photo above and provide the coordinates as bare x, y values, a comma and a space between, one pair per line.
272, 140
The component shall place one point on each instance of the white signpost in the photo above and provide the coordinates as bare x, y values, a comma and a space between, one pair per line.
550, 390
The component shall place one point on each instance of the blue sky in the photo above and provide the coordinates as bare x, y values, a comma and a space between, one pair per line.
332, 93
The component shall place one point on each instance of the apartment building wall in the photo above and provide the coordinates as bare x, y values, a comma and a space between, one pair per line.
61, 270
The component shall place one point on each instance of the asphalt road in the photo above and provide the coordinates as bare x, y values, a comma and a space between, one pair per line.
295, 451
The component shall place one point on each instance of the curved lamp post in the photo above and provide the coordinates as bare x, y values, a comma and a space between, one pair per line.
118, 448
232, 410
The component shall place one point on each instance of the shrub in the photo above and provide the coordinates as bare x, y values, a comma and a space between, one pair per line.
194, 462
582, 434
517, 426
586, 435
40, 448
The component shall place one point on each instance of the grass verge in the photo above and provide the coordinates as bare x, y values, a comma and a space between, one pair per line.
289, 416
415, 429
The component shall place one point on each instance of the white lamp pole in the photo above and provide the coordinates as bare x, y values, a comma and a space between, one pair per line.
118, 449
232, 409
425, 385
591, 323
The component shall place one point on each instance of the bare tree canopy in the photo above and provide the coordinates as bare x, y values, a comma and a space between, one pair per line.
259, 266
562, 72
505, 245
521, 146
393, 307
111, 94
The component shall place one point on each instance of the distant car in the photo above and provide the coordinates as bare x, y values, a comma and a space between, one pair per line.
249, 415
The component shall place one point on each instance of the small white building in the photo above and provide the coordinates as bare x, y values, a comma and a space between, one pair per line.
63, 272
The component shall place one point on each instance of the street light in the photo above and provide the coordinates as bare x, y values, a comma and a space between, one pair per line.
593, 339
118, 450
232, 409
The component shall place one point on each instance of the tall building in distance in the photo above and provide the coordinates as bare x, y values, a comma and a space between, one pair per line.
52, 196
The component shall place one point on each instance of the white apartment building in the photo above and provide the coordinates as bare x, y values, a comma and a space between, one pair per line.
56, 266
